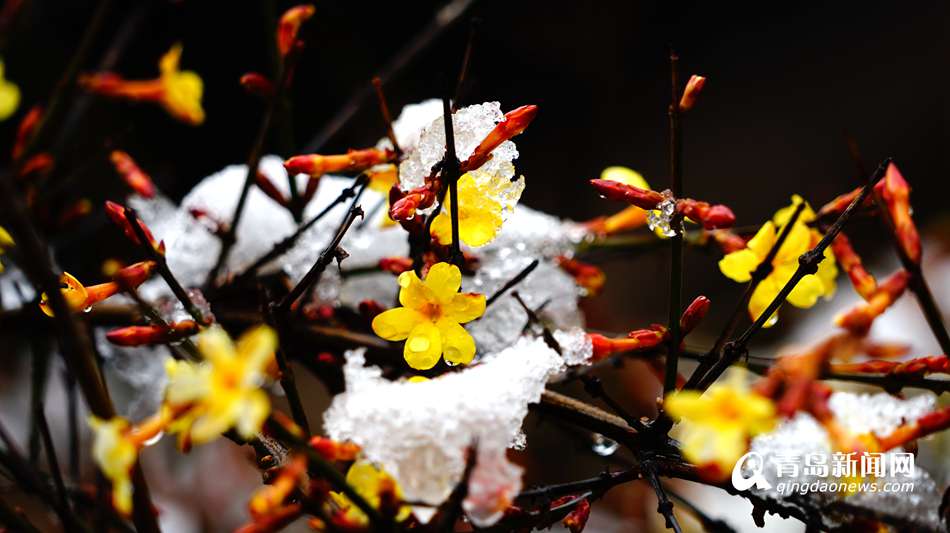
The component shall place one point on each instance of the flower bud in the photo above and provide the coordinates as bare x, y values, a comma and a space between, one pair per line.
257, 84
79, 297
116, 213
863, 282
138, 181
693, 87
577, 518
620, 192
710, 216
588, 276
694, 314
332, 450
353, 161
858, 319
407, 203
25, 130
37, 164
289, 26
896, 195
152, 334
641, 339
514, 123
75, 211
135, 274
728, 241
395, 265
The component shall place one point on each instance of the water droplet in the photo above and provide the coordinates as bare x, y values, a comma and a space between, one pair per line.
158, 436
86, 310
603, 446
450, 363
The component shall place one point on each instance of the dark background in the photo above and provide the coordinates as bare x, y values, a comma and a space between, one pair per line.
786, 81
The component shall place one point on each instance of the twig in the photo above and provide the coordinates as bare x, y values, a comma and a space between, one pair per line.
76, 346
761, 272
443, 19
163, 269
518, 278
283, 246
316, 271
450, 178
287, 380
710, 524
228, 238
676, 242
51, 460
663, 504
466, 61
807, 264
387, 116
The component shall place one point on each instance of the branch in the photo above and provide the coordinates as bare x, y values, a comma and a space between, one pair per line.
676, 242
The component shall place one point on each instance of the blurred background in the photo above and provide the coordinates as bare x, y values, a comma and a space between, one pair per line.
787, 85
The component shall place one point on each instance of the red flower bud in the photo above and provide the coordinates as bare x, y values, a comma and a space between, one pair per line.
352, 161
257, 84
514, 123
710, 216
25, 130
116, 213
588, 276
289, 26
864, 283
577, 518
693, 87
694, 314
138, 181
728, 241
267, 187
395, 265
637, 340
74, 211
405, 207
332, 450
135, 274
896, 195
858, 319
620, 192
152, 334
40, 163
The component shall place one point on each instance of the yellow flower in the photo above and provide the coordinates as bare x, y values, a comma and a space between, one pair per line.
479, 215
431, 316
115, 448
369, 482
79, 297
6, 242
183, 89
9, 96
720, 423
740, 264
224, 390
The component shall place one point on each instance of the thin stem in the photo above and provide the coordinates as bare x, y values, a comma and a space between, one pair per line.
663, 504
450, 178
442, 20
229, 237
761, 272
163, 269
807, 264
51, 459
676, 242
387, 117
466, 61
518, 278
77, 348
316, 271
283, 246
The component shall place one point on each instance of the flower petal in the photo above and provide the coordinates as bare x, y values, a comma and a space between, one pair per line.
458, 346
413, 293
423, 347
481, 225
444, 280
762, 296
465, 307
763, 240
256, 348
396, 324
216, 346
806, 292
254, 410
739, 265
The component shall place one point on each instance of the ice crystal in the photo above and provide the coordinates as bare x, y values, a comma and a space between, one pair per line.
471, 125
419, 432
410, 123
660, 219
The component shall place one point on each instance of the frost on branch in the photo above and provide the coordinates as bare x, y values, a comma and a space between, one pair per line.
419, 432
859, 413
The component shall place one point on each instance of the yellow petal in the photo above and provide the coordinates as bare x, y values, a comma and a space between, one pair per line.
458, 347
763, 240
624, 175
480, 225
254, 410
465, 307
396, 324
187, 381
739, 265
412, 292
9, 99
731, 442
797, 243
216, 346
783, 215
442, 227
168, 64
256, 348
762, 296
444, 280
423, 347
827, 272
122, 495
6, 241
806, 292
182, 97
687, 404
